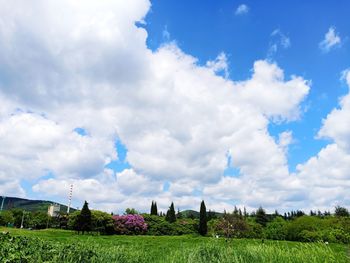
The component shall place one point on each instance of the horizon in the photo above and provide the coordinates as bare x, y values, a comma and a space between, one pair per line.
238, 103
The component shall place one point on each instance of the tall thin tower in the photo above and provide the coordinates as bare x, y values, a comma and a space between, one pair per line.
70, 198
2, 203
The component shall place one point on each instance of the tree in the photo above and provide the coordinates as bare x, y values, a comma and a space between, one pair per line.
154, 209
170, 214
203, 227
102, 222
178, 214
341, 211
6, 217
245, 214
261, 217
277, 229
131, 211
84, 219
231, 225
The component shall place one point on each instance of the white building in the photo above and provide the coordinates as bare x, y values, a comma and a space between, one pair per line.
54, 210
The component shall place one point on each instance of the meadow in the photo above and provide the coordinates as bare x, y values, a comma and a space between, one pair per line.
66, 246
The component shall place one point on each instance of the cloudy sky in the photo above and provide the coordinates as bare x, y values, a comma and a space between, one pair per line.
237, 103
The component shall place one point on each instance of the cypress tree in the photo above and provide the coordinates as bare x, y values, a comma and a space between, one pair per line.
154, 210
261, 217
170, 214
84, 219
203, 227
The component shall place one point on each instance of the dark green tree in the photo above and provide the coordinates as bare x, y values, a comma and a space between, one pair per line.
170, 214
341, 211
245, 214
203, 227
154, 209
131, 211
261, 217
84, 219
178, 214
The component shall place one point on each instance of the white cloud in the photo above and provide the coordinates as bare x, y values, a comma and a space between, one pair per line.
33, 146
326, 175
285, 139
242, 9
331, 40
177, 119
220, 64
337, 124
278, 40
166, 34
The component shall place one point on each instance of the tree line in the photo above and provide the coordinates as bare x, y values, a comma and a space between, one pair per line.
293, 225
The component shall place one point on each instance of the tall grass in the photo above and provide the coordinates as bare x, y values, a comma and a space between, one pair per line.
161, 249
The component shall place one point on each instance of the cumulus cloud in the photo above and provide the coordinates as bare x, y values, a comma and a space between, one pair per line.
331, 40
242, 9
326, 175
86, 64
220, 64
337, 124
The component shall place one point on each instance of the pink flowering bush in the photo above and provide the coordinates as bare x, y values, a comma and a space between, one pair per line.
129, 224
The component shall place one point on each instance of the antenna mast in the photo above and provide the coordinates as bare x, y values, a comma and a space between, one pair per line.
70, 198
2, 203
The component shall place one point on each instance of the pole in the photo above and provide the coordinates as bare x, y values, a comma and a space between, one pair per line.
70, 198
22, 219
2, 203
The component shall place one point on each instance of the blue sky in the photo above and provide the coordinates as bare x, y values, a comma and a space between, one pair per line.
237, 103
212, 27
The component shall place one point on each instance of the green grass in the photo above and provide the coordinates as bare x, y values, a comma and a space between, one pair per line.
164, 249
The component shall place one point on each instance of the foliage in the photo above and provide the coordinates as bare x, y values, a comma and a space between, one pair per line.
158, 226
6, 218
131, 211
312, 228
170, 214
277, 229
261, 217
65, 246
203, 227
83, 222
154, 209
38, 220
129, 224
102, 222
341, 211
254, 230
232, 225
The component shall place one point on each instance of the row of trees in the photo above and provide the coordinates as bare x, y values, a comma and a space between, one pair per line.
238, 224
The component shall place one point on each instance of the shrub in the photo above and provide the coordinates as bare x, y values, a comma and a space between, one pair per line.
254, 230
129, 224
100, 221
158, 226
231, 225
6, 217
277, 229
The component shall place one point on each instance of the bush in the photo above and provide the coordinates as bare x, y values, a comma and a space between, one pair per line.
231, 225
6, 217
254, 230
277, 229
129, 224
158, 226
100, 222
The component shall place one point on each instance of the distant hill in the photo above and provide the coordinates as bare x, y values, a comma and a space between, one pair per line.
195, 214
30, 205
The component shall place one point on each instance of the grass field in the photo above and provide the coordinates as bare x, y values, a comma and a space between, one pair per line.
66, 246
